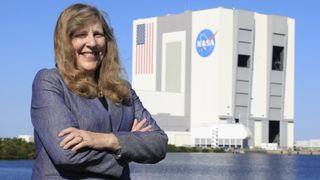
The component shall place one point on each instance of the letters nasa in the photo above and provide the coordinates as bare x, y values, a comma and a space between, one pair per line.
205, 43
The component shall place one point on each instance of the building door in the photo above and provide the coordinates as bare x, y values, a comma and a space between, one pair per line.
274, 132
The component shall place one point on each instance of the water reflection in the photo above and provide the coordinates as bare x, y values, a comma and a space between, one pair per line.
262, 167
178, 166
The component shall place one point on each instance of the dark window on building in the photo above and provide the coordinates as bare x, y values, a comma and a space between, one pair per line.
243, 60
277, 58
274, 132
236, 120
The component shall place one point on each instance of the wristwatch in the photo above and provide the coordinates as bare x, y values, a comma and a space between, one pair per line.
118, 153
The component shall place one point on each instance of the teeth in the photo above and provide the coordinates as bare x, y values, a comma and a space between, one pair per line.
90, 53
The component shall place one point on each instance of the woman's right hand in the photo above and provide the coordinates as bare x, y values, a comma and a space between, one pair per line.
138, 126
75, 139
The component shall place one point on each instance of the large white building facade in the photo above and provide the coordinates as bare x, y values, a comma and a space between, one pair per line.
217, 77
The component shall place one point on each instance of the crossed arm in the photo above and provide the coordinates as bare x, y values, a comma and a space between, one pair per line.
75, 139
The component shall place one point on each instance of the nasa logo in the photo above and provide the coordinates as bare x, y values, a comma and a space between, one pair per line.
205, 43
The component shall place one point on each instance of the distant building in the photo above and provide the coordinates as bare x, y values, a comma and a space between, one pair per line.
312, 144
27, 138
206, 73
226, 135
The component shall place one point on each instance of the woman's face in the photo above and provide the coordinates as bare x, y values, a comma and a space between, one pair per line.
89, 44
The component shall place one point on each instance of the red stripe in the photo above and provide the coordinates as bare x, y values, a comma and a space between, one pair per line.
151, 48
139, 57
145, 48
150, 44
136, 61
150, 54
142, 57
137, 51
147, 52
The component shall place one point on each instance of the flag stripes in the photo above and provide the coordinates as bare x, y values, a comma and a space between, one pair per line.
144, 49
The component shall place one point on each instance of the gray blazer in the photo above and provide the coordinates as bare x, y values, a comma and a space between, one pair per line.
54, 107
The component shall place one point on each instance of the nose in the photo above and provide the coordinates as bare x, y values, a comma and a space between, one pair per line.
91, 41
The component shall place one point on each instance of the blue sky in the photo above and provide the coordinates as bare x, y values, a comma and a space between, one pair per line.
26, 35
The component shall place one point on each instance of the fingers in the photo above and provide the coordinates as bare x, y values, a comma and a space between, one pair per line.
75, 141
145, 129
135, 122
72, 138
78, 146
138, 126
67, 139
67, 131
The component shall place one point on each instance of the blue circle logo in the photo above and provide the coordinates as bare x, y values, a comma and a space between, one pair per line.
205, 43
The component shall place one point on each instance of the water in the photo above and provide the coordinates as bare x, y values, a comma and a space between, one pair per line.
207, 166
15, 169
204, 166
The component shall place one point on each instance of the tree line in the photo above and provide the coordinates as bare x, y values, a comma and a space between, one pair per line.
16, 148
173, 148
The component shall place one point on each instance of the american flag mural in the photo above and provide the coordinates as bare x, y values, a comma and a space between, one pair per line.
144, 49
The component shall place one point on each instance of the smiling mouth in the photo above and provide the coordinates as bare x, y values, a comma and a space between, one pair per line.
90, 55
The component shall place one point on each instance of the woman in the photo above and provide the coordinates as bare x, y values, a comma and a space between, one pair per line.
88, 122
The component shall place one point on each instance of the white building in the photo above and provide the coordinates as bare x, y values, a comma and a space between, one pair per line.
27, 138
312, 144
198, 71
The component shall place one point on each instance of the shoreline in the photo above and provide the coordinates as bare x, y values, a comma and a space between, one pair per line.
290, 152
183, 149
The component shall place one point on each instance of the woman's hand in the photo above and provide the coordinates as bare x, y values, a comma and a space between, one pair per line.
76, 139
138, 126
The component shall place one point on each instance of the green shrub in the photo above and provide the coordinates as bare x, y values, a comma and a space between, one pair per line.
14, 148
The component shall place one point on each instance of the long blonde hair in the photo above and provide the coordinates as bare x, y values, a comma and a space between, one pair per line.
108, 79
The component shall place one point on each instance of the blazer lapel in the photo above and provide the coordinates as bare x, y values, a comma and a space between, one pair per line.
115, 114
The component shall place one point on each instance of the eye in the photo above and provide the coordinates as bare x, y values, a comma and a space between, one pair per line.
80, 35
98, 34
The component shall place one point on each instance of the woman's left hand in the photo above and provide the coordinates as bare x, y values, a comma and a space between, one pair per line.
139, 126
76, 139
